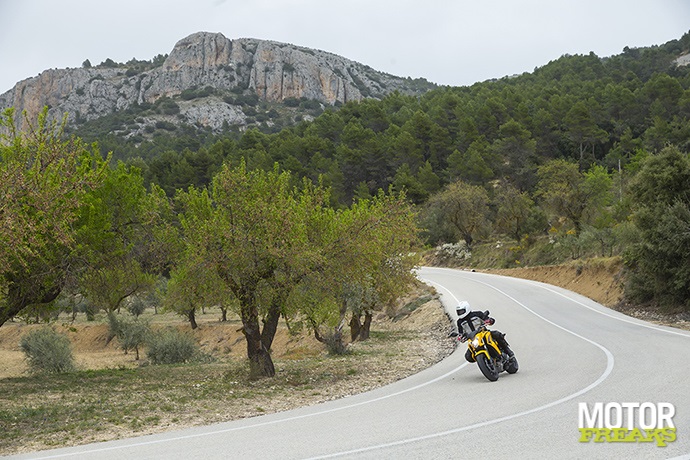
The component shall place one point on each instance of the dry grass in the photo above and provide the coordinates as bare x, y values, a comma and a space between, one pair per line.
114, 396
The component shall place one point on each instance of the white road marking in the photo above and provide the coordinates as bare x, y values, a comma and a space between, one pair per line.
602, 377
257, 425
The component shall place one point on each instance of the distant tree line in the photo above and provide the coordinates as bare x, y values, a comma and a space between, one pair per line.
318, 223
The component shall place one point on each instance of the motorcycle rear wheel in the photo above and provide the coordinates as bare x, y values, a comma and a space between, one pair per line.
487, 367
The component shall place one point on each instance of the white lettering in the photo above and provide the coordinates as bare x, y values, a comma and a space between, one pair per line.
665, 415
613, 411
587, 419
645, 422
630, 415
630, 407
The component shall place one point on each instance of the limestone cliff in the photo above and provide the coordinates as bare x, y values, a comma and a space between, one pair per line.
273, 71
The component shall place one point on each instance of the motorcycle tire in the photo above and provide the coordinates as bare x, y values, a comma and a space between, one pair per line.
512, 366
487, 367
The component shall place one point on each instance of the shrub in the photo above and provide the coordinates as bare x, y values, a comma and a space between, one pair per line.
131, 333
171, 346
310, 104
334, 343
166, 125
47, 351
167, 106
134, 333
291, 102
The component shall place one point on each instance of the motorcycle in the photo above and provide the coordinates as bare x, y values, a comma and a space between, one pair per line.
486, 352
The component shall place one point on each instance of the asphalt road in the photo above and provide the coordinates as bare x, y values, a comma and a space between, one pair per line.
571, 350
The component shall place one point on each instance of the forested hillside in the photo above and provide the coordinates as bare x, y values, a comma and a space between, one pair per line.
583, 109
554, 153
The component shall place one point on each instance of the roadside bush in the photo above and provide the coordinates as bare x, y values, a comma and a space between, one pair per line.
131, 332
47, 351
334, 343
171, 346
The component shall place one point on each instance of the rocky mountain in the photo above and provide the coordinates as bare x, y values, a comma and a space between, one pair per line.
205, 81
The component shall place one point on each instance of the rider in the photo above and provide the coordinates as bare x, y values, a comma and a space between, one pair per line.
465, 316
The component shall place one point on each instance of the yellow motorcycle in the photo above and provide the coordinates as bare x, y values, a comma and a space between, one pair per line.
486, 352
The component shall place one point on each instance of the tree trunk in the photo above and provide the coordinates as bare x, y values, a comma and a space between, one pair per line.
224, 314
192, 318
364, 334
18, 299
260, 362
355, 327
270, 326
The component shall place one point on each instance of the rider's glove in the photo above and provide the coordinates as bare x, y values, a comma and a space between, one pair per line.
490, 321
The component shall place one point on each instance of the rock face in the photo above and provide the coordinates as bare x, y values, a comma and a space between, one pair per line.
274, 71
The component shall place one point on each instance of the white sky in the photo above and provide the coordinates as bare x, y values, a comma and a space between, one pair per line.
450, 42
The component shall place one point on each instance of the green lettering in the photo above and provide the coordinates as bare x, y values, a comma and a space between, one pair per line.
586, 434
602, 435
663, 435
636, 435
618, 435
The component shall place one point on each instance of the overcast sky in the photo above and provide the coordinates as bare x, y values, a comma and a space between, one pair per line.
450, 42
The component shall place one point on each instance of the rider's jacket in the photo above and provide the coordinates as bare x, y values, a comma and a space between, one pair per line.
471, 322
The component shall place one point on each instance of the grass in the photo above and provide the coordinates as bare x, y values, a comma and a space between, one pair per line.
80, 405
44, 411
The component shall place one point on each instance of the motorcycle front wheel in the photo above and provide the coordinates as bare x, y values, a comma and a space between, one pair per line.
487, 367
512, 366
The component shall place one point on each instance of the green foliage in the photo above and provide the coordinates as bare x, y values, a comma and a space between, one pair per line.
660, 268
171, 346
465, 208
196, 93
166, 106
548, 160
131, 332
260, 238
126, 238
45, 177
334, 343
569, 194
108, 63
47, 351
516, 213
291, 101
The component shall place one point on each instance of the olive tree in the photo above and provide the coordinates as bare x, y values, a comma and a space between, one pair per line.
127, 238
44, 178
267, 239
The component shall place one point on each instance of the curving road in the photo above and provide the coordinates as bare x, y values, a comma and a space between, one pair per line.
571, 350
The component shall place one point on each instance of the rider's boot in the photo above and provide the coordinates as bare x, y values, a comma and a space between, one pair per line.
509, 352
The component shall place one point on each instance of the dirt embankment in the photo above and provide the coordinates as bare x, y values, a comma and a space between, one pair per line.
598, 279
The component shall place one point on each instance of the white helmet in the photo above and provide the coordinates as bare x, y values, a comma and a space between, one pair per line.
463, 309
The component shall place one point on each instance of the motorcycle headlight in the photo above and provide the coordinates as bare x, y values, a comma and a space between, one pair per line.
475, 343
